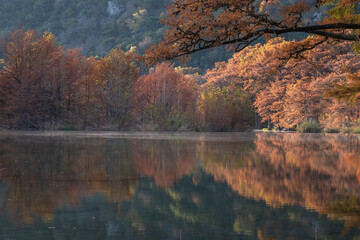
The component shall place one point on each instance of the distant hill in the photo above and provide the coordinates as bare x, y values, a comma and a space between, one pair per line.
96, 26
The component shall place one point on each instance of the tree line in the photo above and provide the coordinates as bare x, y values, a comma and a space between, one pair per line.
287, 93
46, 86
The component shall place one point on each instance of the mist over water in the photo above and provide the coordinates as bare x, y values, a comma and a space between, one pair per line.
80, 185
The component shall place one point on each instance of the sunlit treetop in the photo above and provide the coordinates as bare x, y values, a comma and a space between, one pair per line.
194, 25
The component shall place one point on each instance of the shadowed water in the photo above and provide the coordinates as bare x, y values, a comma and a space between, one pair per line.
179, 186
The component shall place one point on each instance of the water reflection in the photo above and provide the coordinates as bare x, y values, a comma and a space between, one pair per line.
261, 186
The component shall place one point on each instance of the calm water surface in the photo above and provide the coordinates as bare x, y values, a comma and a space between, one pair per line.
179, 186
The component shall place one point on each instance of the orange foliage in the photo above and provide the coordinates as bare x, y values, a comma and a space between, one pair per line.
25, 93
118, 74
225, 109
194, 25
291, 92
165, 96
253, 68
43, 85
269, 102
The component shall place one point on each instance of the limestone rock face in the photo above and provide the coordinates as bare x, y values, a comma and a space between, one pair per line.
113, 9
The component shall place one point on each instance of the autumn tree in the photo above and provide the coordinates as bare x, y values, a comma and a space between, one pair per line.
76, 89
350, 91
119, 73
225, 108
269, 103
345, 94
43, 85
197, 25
91, 88
165, 97
304, 101
292, 92
304, 85
25, 93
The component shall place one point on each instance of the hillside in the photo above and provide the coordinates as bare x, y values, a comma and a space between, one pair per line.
96, 26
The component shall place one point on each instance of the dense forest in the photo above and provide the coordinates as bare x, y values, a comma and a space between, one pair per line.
109, 65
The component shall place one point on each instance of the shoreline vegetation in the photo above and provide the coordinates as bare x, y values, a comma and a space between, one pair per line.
44, 86
134, 132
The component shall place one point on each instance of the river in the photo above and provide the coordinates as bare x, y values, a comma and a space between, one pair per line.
108, 185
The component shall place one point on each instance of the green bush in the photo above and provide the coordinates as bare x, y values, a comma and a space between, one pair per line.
311, 126
68, 128
110, 28
331, 130
356, 130
109, 42
346, 130
70, 22
173, 123
226, 108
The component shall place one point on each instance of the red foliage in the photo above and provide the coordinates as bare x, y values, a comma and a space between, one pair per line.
43, 85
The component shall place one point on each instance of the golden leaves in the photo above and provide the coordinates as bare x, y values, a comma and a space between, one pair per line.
198, 25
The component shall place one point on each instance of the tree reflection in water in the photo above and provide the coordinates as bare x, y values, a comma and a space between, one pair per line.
261, 186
